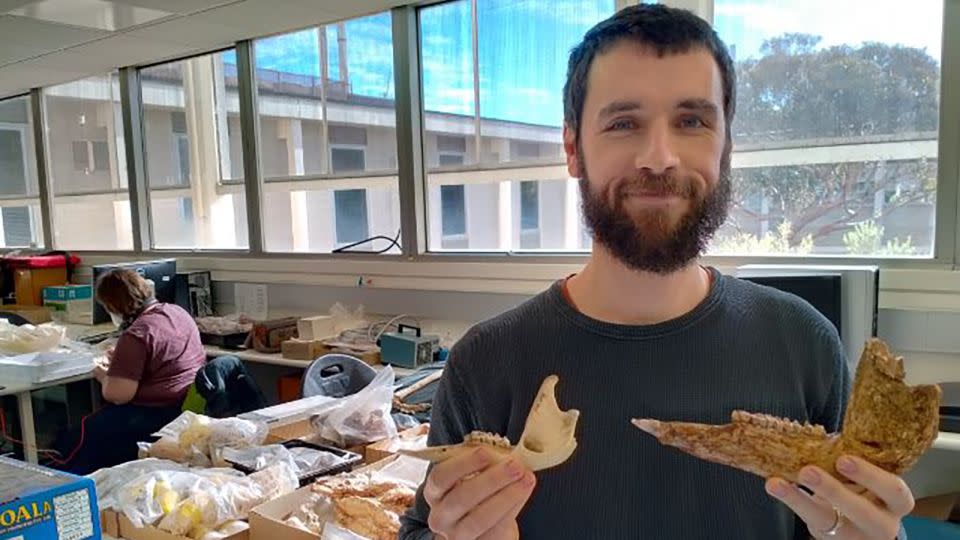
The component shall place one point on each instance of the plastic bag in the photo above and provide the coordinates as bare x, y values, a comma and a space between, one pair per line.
108, 481
203, 438
260, 457
344, 319
360, 418
303, 460
29, 338
192, 500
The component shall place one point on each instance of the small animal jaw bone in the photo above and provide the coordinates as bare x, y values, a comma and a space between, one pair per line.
548, 437
887, 423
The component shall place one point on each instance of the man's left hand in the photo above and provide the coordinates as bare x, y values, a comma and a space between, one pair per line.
868, 509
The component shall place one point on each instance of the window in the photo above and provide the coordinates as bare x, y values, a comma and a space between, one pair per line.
187, 108
836, 127
503, 110
347, 159
529, 215
350, 208
328, 135
19, 202
87, 164
454, 217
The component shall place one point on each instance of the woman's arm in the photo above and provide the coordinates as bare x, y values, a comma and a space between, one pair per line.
121, 377
118, 390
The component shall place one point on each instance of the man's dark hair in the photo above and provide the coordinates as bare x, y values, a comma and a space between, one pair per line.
664, 29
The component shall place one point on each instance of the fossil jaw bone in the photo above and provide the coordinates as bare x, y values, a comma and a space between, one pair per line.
887, 423
548, 437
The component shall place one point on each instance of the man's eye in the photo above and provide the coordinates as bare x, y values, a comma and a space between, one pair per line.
691, 122
621, 124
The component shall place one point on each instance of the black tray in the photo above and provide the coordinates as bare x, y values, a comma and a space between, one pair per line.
225, 341
350, 460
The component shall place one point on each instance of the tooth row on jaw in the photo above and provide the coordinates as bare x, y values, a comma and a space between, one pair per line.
490, 439
772, 422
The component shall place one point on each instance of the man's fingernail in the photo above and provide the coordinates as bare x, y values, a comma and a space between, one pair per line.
846, 465
514, 468
481, 456
810, 477
777, 488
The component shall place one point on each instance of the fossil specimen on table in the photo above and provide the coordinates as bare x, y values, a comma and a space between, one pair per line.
887, 423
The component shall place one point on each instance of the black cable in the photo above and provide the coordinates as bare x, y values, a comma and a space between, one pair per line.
394, 242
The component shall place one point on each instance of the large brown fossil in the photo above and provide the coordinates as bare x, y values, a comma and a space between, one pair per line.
887, 423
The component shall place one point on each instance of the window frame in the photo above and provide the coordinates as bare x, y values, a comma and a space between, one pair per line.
411, 168
24, 132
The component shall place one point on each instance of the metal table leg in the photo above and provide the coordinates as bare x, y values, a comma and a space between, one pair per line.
27, 428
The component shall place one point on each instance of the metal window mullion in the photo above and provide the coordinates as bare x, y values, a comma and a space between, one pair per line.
250, 141
43, 178
410, 130
131, 106
946, 237
324, 80
475, 46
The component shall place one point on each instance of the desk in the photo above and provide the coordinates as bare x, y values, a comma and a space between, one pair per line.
25, 408
276, 359
938, 471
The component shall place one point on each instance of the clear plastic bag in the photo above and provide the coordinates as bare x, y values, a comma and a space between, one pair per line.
260, 457
181, 501
360, 418
203, 439
109, 481
303, 460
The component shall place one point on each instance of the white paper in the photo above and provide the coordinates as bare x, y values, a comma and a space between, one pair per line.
251, 300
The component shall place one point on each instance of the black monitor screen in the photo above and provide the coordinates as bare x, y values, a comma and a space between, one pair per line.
161, 272
820, 291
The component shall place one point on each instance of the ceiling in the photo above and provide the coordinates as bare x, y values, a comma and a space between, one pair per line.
45, 42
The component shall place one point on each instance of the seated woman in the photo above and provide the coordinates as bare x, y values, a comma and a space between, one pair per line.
145, 378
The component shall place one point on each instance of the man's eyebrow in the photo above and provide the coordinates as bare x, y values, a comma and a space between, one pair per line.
699, 104
617, 107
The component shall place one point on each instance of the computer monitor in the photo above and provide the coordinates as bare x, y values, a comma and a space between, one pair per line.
852, 308
162, 272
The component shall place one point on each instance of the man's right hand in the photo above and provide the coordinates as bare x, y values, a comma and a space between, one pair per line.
475, 497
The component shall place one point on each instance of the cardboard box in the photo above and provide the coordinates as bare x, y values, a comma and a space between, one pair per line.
36, 502
314, 328
410, 439
301, 349
110, 523
267, 520
70, 303
28, 283
34, 314
129, 532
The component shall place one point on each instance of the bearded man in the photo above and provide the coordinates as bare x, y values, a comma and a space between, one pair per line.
645, 331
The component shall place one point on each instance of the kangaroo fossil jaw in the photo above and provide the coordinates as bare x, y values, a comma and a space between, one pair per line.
548, 437
887, 423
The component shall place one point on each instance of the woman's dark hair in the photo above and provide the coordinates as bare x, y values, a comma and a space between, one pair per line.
665, 30
123, 291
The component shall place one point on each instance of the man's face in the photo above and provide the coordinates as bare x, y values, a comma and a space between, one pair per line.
652, 155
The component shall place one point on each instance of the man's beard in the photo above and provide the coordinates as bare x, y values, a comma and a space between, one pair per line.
651, 241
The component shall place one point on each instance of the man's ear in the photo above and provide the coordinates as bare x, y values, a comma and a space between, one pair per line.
570, 147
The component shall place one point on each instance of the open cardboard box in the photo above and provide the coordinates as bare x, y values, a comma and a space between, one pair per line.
267, 520
414, 438
117, 525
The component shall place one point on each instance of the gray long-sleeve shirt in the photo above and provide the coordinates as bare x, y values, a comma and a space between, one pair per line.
744, 347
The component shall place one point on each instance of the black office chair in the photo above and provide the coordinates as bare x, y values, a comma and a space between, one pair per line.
228, 388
